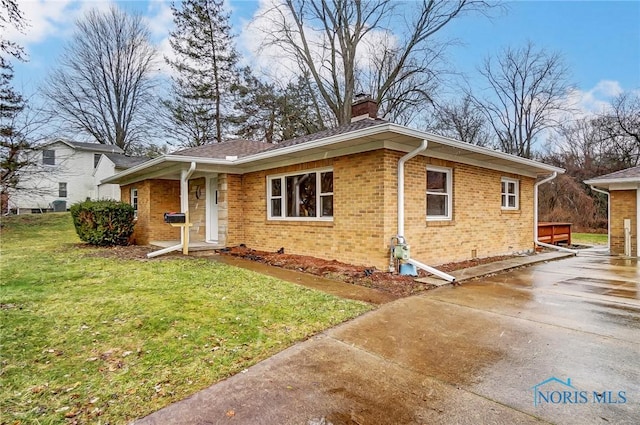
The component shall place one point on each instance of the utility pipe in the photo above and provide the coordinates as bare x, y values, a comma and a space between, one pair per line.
535, 217
401, 162
595, 189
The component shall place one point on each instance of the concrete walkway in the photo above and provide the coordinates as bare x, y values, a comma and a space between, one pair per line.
454, 355
498, 266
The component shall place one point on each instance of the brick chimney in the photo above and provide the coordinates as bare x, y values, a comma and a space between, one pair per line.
363, 107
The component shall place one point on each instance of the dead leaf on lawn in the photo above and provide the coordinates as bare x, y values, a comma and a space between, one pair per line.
231, 413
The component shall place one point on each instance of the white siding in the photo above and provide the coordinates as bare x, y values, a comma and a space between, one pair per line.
106, 168
72, 166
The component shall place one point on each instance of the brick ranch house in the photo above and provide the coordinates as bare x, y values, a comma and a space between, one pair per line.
623, 190
334, 195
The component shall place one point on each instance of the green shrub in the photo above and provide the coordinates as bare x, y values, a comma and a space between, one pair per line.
103, 223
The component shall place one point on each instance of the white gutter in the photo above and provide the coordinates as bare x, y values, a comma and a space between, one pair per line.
535, 217
184, 206
401, 162
595, 189
338, 138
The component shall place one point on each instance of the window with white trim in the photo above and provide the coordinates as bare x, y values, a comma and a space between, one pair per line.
49, 157
300, 196
134, 201
62, 190
510, 194
439, 193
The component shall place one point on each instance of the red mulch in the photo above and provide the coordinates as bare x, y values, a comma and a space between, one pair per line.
371, 277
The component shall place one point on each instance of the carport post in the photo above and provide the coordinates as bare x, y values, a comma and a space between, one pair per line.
184, 205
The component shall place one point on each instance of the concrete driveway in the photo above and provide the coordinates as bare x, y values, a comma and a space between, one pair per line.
473, 354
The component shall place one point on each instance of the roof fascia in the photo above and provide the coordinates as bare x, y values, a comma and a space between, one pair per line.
327, 141
473, 148
161, 159
464, 160
597, 182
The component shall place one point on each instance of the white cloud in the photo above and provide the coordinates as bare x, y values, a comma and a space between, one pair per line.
159, 18
44, 19
269, 60
279, 64
47, 19
595, 100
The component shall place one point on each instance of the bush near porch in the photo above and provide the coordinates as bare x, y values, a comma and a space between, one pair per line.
105, 340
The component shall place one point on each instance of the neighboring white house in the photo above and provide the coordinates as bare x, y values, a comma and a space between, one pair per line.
66, 172
109, 165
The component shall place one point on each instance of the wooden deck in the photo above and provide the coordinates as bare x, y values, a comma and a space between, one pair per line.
554, 233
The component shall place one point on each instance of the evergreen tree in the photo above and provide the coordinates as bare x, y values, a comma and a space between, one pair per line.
205, 64
13, 146
265, 112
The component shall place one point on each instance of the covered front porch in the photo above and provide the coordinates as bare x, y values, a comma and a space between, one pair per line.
199, 194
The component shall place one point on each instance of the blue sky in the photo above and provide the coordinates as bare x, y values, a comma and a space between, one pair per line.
600, 40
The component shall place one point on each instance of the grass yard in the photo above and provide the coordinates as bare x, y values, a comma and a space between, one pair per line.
589, 238
87, 339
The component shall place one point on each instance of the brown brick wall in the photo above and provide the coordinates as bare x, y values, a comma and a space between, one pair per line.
155, 197
623, 205
365, 200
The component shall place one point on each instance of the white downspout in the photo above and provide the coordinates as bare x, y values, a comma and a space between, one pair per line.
184, 206
638, 222
595, 189
401, 162
535, 217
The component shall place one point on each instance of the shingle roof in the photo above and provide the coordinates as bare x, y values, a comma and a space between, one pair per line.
98, 147
241, 147
345, 128
123, 161
628, 173
237, 147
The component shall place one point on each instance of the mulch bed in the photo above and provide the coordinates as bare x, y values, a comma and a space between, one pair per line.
398, 285
370, 277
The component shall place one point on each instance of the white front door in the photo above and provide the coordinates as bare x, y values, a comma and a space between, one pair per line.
212, 207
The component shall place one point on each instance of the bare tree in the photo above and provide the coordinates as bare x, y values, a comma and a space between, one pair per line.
527, 89
461, 121
621, 128
10, 14
326, 36
103, 86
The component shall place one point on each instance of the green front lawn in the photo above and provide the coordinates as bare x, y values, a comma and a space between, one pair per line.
589, 238
91, 339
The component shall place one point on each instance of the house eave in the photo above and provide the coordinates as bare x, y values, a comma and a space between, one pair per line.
384, 135
616, 183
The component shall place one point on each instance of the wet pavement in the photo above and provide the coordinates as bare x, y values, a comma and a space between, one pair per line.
457, 355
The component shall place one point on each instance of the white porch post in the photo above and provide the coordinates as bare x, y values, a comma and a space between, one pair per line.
184, 206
